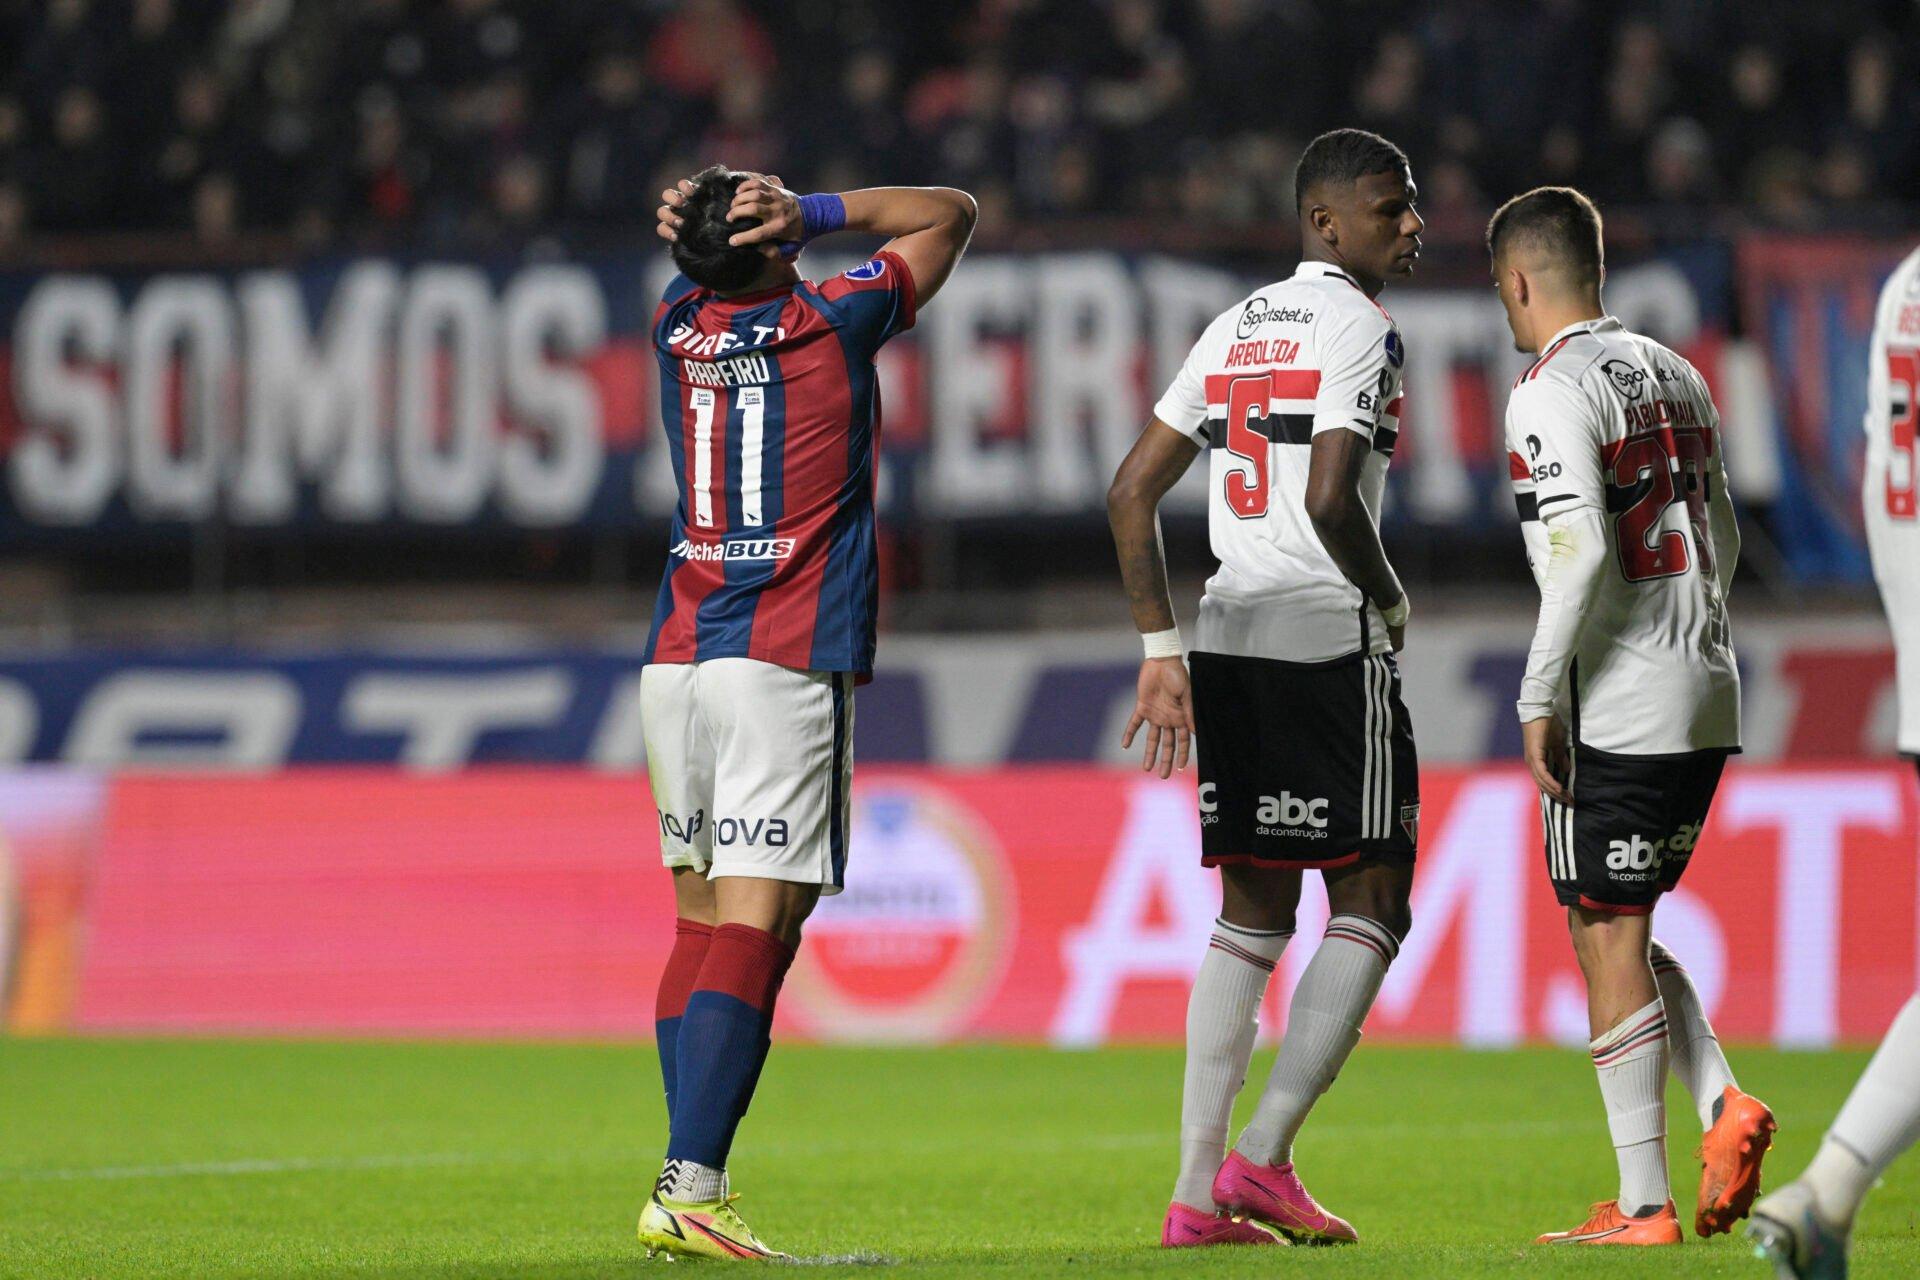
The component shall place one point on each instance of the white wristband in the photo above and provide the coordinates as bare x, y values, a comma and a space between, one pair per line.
1397, 615
1162, 644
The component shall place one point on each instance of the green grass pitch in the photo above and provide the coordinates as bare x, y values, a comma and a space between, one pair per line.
207, 1159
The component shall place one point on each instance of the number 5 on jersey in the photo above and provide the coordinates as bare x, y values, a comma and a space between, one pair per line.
1248, 490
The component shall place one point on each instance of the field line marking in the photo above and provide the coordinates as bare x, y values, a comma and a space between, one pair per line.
232, 1168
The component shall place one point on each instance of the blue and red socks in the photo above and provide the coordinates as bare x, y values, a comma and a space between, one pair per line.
690, 942
722, 1041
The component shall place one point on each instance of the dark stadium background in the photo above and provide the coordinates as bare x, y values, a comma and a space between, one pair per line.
333, 508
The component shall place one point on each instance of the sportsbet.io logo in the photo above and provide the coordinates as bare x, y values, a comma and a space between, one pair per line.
923, 931
1626, 379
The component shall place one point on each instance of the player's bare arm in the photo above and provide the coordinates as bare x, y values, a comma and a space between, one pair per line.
1165, 705
1340, 519
929, 226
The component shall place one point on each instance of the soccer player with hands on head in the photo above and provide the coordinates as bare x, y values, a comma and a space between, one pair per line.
1306, 756
1631, 700
765, 622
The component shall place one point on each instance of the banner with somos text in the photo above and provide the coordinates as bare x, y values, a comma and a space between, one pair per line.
1062, 905
348, 393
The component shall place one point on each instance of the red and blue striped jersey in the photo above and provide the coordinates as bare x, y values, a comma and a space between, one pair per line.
772, 414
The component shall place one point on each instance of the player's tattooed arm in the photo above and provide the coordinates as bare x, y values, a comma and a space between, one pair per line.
1340, 519
1153, 466
1164, 703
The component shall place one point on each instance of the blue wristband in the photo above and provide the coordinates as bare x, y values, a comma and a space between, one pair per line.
821, 214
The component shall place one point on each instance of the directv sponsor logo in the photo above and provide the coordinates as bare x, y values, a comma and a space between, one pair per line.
749, 549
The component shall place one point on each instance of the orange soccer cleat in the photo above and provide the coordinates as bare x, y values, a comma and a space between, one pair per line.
1608, 1225
1730, 1157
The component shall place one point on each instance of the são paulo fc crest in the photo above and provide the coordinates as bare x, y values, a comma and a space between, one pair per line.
923, 930
871, 269
1410, 821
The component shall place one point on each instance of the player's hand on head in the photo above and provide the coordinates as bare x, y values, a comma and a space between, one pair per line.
1544, 747
1165, 706
761, 196
670, 221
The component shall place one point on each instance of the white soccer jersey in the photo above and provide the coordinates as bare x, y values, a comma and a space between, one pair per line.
1613, 423
1888, 499
1309, 354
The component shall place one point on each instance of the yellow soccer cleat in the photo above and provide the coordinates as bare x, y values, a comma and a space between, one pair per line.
710, 1229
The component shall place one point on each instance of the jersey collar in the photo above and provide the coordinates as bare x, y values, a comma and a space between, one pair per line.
1314, 267
1605, 324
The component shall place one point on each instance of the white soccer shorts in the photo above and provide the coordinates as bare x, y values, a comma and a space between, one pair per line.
751, 765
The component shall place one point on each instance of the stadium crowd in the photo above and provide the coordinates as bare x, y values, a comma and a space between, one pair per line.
469, 120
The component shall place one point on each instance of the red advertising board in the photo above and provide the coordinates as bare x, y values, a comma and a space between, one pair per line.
1056, 904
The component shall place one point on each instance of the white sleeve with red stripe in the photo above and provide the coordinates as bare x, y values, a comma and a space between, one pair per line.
1558, 432
1359, 372
1184, 406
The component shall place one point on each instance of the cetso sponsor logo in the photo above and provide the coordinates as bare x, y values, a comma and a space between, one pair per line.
1627, 380
1638, 854
924, 929
744, 549
1545, 470
1257, 312
1287, 814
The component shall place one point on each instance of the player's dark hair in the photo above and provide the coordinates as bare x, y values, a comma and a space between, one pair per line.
1342, 156
1557, 221
701, 250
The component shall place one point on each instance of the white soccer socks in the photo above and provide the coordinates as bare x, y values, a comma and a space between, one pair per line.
1697, 1061
1323, 1025
686, 1182
1631, 1061
1223, 1016
1880, 1120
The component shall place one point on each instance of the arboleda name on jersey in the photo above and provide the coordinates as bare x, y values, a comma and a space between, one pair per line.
744, 549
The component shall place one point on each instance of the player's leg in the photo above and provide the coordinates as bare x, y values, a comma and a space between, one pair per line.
1737, 1128
1362, 771
782, 743
1628, 1024
1367, 916
1609, 892
1804, 1226
1696, 1059
1257, 906
692, 934
680, 774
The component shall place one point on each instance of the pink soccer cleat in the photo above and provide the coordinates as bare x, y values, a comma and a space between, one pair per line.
1189, 1228
1273, 1194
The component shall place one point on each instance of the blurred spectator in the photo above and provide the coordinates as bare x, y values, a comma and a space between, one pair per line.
73, 181
389, 118
706, 43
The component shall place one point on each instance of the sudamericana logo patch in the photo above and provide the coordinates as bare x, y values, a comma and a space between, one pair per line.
871, 269
1396, 354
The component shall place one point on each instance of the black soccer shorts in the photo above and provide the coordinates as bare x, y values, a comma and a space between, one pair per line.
1632, 827
1303, 765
